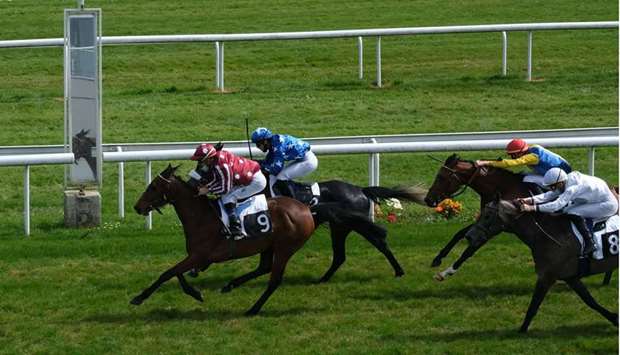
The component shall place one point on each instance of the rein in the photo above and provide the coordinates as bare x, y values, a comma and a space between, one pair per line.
465, 184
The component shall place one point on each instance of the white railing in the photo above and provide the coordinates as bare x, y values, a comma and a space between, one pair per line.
373, 147
219, 39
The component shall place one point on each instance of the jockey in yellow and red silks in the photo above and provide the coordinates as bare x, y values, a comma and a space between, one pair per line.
535, 157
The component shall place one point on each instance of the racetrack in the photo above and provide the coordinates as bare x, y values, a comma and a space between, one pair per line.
68, 291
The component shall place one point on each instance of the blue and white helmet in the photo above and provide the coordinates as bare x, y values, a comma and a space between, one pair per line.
553, 176
260, 134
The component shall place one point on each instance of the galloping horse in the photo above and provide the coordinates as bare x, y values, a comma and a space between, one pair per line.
554, 248
358, 200
292, 225
456, 174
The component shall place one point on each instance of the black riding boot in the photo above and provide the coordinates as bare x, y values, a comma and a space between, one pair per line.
588, 239
234, 225
283, 188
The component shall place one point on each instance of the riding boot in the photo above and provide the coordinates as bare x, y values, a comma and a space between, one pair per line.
234, 225
283, 188
588, 240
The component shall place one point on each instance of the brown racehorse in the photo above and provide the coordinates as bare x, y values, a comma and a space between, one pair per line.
292, 225
554, 248
453, 177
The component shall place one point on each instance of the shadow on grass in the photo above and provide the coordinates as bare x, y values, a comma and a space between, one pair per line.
474, 292
214, 282
170, 315
569, 332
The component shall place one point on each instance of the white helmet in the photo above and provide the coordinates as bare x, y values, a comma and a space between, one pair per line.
553, 176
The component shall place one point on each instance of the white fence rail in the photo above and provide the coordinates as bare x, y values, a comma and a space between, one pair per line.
219, 39
355, 145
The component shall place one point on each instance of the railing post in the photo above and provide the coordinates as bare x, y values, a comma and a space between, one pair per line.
504, 53
217, 65
121, 187
529, 55
591, 154
222, 67
147, 176
373, 175
27, 200
360, 55
378, 62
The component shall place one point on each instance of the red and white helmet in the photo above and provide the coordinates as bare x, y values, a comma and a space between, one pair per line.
516, 146
204, 151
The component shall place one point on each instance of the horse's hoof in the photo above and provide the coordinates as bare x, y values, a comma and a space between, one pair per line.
522, 330
322, 280
436, 262
439, 277
614, 321
193, 273
399, 273
227, 288
251, 313
136, 301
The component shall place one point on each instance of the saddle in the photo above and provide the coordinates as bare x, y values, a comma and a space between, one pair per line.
254, 215
605, 233
306, 193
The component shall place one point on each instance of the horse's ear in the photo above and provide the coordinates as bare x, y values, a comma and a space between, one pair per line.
176, 167
498, 196
219, 146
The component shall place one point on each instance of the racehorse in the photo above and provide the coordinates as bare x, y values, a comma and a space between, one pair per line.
554, 248
358, 199
292, 225
454, 176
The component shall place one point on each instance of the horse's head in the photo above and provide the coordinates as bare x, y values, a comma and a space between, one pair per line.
453, 174
494, 218
156, 194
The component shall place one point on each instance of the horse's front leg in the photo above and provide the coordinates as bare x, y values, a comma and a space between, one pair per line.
467, 253
177, 270
446, 250
543, 284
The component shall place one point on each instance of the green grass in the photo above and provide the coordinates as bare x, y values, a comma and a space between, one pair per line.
67, 291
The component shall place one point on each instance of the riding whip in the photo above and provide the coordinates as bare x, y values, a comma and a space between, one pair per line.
247, 134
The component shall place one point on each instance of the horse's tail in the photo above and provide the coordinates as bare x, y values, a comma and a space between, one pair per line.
409, 193
334, 213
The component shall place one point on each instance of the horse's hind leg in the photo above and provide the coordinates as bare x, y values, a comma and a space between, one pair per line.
264, 266
338, 236
446, 250
607, 278
542, 287
188, 289
277, 271
586, 297
183, 266
382, 246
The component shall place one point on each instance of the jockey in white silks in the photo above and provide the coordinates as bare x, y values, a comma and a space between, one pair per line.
579, 196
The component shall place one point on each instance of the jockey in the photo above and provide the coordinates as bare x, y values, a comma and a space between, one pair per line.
577, 195
232, 177
281, 148
537, 158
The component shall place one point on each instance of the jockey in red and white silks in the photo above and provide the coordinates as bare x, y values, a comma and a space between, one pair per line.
229, 176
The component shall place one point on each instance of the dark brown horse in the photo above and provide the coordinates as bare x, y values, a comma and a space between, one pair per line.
554, 248
453, 177
292, 225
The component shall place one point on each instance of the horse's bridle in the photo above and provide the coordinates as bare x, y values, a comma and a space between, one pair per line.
465, 184
165, 200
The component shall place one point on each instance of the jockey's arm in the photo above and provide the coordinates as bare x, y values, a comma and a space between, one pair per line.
545, 197
526, 160
559, 203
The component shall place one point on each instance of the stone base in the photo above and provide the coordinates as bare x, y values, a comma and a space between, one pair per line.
82, 208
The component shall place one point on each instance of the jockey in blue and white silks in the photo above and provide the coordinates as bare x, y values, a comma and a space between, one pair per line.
287, 158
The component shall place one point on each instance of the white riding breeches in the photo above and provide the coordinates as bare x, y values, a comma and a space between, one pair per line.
258, 184
596, 210
295, 170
